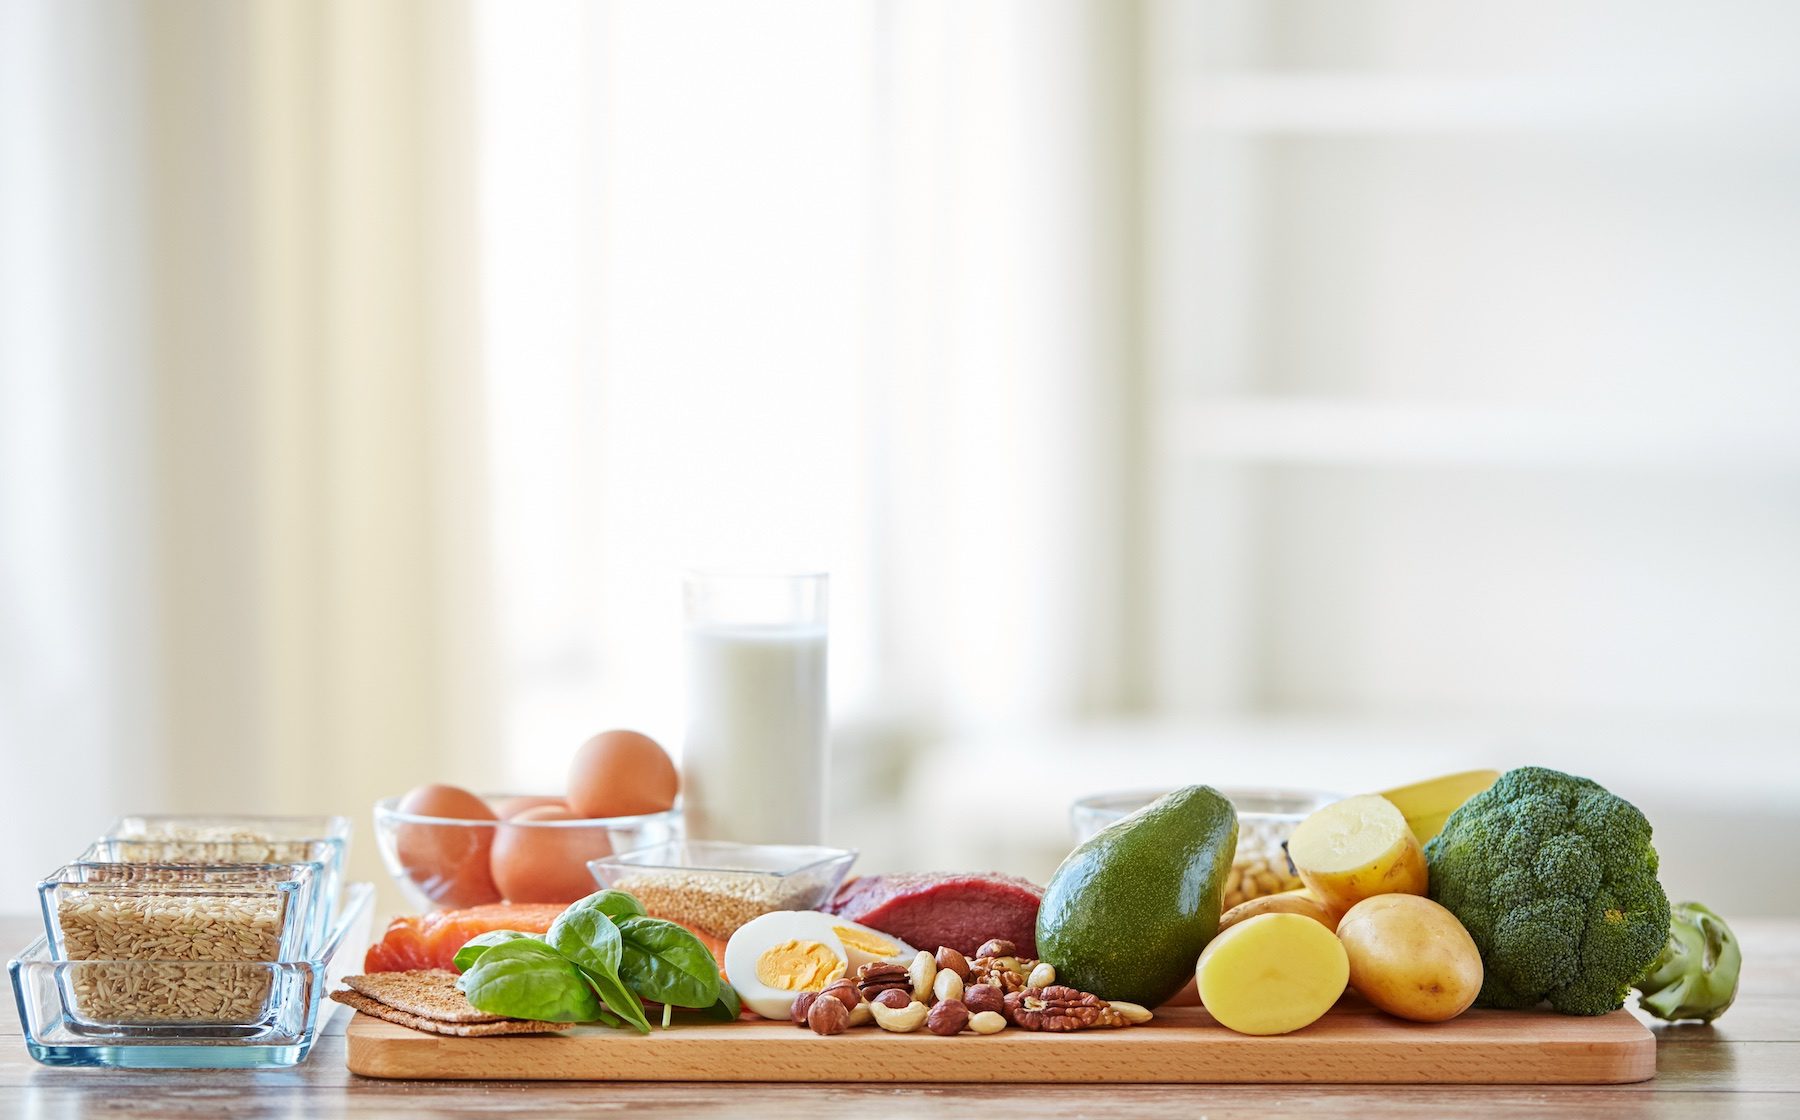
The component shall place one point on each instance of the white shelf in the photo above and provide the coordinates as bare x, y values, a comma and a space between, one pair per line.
1331, 430
1381, 103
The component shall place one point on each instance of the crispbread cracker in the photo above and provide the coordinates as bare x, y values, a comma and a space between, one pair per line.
459, 1030
430, 993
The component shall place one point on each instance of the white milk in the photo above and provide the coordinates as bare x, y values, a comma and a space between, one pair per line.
753, 768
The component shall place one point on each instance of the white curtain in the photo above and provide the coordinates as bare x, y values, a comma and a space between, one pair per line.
243, 511
370, 369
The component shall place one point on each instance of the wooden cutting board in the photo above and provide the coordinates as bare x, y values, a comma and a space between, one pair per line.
1354, 1043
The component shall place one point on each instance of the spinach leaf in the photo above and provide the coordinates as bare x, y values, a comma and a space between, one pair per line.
587, 936
614, 904
663, 962
527, 979
619, 1000
584, 934
473, 948
728, 1006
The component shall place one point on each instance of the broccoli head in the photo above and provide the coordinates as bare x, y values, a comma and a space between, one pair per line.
1555, 879
1696, 977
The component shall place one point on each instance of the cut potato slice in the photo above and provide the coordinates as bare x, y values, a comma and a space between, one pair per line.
1299, 902
1355, 849
1272, 974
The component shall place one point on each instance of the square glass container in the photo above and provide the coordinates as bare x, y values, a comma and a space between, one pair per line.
288, 1020
314, 907
717, 886
205, 941
229, 838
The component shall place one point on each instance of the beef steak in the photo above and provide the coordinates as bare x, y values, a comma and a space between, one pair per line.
931, 908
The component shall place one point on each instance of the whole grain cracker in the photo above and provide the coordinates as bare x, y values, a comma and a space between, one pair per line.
381, 1010
428, 992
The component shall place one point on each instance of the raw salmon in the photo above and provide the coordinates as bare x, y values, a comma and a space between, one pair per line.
431, 940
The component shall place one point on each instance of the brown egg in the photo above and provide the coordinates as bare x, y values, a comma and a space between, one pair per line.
547, 864
448, 862
509, 807
622, 774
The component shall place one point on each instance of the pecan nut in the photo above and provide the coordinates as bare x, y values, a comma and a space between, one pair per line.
1059, 1008
1006, 973
874, 979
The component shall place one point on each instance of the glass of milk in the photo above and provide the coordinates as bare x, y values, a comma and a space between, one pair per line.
753, 766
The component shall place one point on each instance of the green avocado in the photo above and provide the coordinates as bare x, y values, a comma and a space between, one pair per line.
1127, 913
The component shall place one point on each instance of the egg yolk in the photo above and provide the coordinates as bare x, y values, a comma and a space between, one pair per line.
798, 966
865, 942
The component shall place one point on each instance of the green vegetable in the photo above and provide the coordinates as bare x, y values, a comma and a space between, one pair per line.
667, 964
585, 935
616, 905
527, 979
1128, 912
1696, 977
727, 1007
600, 960
475, 947
1555, 879
619, 1000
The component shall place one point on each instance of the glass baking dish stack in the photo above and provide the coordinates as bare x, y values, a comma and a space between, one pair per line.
202, 942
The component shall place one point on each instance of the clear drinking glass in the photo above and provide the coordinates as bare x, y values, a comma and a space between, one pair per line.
754, 762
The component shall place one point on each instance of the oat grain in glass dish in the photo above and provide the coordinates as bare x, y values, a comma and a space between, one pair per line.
172, 928
716, 886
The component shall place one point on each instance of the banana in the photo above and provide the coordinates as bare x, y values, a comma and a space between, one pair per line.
1427, 805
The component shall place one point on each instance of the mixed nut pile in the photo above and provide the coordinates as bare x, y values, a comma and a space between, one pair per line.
949, 993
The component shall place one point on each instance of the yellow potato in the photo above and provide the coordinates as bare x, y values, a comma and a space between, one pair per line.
1272, 974
1299, 902
1355, 849
1411, 957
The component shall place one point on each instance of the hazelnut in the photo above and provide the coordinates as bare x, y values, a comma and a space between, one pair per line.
997, 947
948, 1017
828, 1016
949, 960
984, 997
802, 1004
846, 991
894, 998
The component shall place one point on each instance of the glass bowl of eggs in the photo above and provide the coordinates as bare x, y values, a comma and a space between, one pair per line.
1266, 817
447, 847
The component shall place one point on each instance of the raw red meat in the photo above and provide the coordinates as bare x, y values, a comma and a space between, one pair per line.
931, 908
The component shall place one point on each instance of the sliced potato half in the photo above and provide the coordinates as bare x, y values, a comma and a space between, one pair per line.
1357, 848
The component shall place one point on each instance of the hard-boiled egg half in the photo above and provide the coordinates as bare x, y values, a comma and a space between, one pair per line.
773, 958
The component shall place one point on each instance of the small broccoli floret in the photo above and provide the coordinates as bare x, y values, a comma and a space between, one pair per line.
1696, 977
1555, 879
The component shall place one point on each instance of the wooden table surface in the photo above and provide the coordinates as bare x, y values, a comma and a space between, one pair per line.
1748, 1065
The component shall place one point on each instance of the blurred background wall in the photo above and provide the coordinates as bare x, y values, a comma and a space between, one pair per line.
1280, 393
